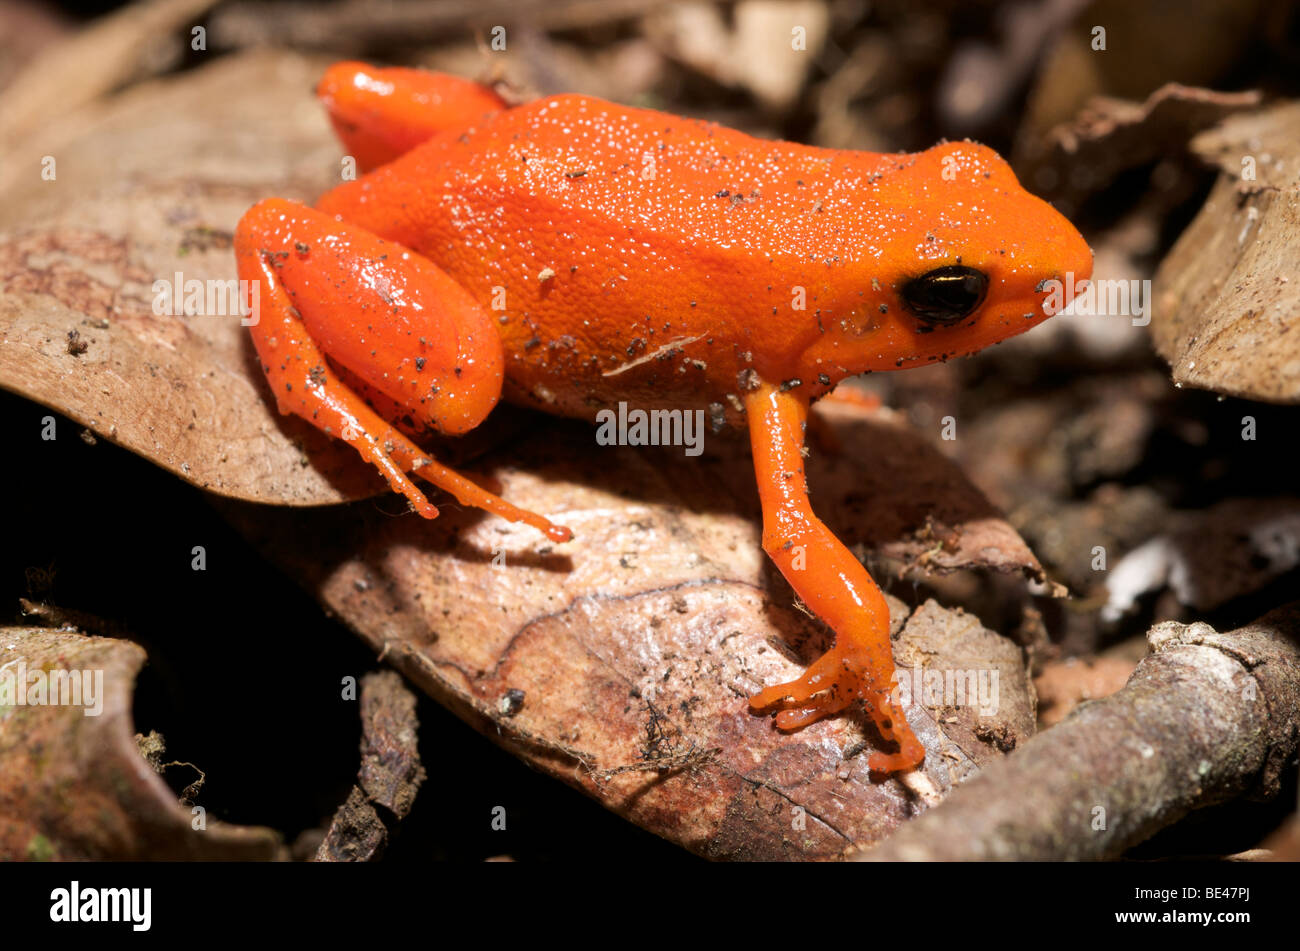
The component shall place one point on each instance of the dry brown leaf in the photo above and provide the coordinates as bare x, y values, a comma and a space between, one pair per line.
1081, 157
74, 786
1227, 297
79, 256
88, 63
621, 662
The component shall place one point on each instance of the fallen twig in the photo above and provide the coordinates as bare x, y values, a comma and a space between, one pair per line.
1204, 718
390, 773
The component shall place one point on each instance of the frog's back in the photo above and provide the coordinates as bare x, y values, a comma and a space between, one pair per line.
640, 256
573, 163
627, 250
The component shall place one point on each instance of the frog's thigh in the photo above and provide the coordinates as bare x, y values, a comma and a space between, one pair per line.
326, 292
380, 114
386, 313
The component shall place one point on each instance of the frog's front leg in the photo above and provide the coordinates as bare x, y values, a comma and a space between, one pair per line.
334, 295
832, 583
381, 113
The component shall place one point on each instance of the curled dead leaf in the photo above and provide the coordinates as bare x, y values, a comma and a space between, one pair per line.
1084, 155
86, 256
73, 783
1226, 295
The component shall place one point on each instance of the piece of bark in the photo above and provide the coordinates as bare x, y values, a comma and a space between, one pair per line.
621, 662
357, 833
1109, 136
390, 774
77, 787
1205, 718
1226, 298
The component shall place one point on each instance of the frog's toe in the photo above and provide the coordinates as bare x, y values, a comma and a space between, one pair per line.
823, 705
891, 722
815, 679
909, 757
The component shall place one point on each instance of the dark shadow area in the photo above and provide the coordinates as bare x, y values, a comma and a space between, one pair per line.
245, 671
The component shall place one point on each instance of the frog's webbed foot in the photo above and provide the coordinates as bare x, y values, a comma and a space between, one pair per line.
892, 725
820, 692
830, 685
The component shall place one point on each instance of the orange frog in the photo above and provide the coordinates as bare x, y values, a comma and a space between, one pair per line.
580, 253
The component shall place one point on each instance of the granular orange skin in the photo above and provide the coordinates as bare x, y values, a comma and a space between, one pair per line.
572, 253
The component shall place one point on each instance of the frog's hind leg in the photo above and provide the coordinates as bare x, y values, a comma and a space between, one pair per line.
394, 321
380, 114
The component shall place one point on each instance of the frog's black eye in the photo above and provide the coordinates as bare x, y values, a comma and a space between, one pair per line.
946, 294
